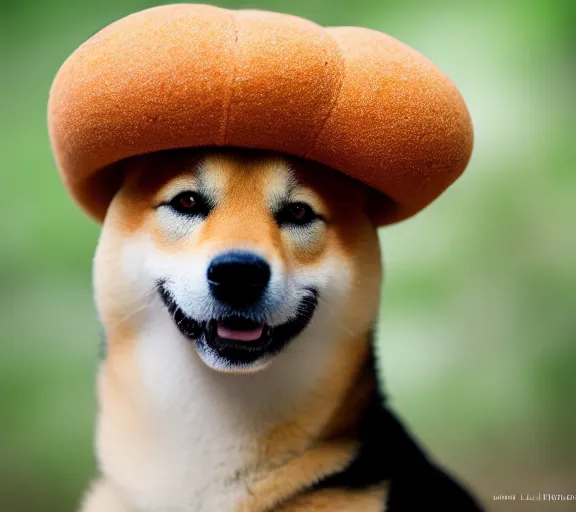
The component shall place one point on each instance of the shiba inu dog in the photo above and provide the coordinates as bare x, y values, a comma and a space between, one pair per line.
238, 291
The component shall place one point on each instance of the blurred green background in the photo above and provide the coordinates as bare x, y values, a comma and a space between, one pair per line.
478, 331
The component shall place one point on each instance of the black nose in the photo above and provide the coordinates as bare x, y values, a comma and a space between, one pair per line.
238, 278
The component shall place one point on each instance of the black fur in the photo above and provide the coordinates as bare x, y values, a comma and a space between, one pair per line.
389, 453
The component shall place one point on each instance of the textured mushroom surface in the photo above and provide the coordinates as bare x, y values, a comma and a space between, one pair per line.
188, 75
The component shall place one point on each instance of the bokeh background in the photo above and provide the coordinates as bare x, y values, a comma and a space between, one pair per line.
478, 328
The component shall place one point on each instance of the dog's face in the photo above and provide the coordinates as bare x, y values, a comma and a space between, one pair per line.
242, 250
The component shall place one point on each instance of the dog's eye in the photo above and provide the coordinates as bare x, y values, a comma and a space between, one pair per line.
296, 213
189, 203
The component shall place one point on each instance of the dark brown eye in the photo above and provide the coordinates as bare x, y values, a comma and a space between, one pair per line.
297, 211
296, 214
189, 203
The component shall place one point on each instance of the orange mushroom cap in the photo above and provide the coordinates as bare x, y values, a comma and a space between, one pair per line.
187, 75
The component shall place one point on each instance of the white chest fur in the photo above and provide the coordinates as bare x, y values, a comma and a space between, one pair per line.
191, 432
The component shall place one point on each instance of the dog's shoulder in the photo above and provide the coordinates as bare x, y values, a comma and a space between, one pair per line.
389, 454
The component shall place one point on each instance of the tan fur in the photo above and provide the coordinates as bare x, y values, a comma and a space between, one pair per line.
308, 434
338, 501
318, 415
276, 486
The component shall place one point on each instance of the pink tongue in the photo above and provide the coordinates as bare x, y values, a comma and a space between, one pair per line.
232, 334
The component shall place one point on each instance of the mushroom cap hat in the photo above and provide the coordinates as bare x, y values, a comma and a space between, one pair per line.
188, 75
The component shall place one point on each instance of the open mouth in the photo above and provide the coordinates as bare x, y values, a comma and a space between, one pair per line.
234, 340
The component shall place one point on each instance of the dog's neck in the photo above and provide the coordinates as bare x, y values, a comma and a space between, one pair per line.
170, 416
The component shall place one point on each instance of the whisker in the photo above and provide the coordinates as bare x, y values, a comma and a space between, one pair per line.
335, 316
137, 306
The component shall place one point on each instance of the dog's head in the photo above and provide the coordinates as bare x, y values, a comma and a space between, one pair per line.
242, 252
